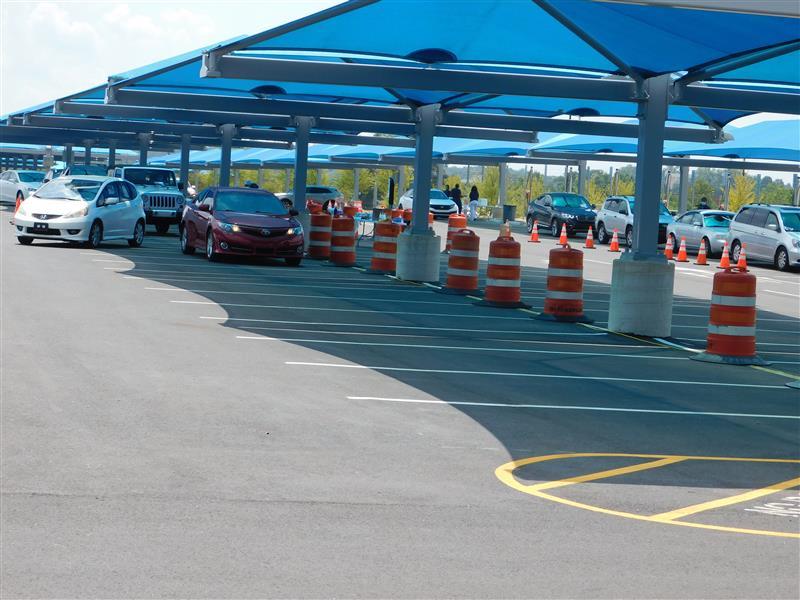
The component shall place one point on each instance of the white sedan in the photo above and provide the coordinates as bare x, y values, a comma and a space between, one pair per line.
82, 208
18, 185
440, 205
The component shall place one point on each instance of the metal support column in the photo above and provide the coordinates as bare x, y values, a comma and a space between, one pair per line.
287, 179
261, 178
796, 189
67, 157
582, 177
227, 132
652, 119
356, 183
401, 182
303, 126
236, 181
423, 166
87, 151
112, 154
501, 184
375, 189
683, 189
144, 147
439, 177
186, 142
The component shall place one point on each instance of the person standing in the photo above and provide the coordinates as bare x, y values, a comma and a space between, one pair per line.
447, 191
473, 203
703, 204
455, 196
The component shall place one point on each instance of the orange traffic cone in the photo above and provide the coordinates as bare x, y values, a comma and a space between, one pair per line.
562, 240
682, 252
614, 247
17, 205
668, 249
725, 261
589, 240
701, 255
535, 233
741, 264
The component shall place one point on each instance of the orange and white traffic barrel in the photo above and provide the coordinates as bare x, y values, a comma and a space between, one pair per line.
350, 211
503, 274
564, 297
319, 245
455, 223
397, 213
732, 325
384, 248
462, 264
408, 214
343, 242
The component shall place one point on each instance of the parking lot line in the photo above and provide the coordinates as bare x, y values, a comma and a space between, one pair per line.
571, 407
720, 502
456, 348
782, 293
537, 375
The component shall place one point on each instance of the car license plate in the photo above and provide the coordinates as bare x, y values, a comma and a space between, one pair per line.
40, 227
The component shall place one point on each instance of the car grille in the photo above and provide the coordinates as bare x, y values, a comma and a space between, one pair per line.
42, 217
256, 231
44, 231
441, 206
167, 201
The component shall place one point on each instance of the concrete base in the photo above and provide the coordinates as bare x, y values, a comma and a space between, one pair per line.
418, 256
641, 296
730, 360
305, 220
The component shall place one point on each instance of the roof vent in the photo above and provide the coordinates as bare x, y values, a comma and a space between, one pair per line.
268, 90
432, 55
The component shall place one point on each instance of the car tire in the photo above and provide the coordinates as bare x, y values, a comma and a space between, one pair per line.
602, 234
211, 253
629, 236
707, 243
95, 235
186, 247
782, 259
25, 240
555, 228
529, 223
162, 228
138, 235
675, 242
294, 261
736, 249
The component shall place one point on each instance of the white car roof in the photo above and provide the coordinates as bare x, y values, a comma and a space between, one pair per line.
98, 178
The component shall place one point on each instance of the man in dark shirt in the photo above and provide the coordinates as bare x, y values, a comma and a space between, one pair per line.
455, 196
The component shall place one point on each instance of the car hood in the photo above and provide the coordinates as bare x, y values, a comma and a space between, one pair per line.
52, 207
581, 212
448, 201
158, 189
254, 220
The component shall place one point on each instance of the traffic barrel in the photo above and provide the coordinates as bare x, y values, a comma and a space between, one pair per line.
397, 213
503, 274
682, 256
668, 249
455, 223
564, 296
350, 211
535, 233
614, 247
589, 239
319, 236
343, 242
408, 214
384, 248
462, 264
732, 324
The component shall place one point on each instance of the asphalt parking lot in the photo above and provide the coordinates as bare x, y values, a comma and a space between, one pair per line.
176, 427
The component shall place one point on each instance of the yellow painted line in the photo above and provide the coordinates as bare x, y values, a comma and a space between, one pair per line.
505, 473
605, 474
625, 335
774, 372
743, 497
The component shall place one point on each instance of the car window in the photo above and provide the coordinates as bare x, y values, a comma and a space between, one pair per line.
69, 189
110, 191
12, 177
31, 177
318, 190
697, 219
559, 202
208, 199
717, 220
547, 201
744, 216
248, 202
125, 191
438, 195
759, 217
154, 177
611, 205
772, 222
791, 220
687, 218
623, 207
4, 176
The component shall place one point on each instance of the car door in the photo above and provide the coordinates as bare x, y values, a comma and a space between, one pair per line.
694, 230
756, 232
128, 212
11, 185
768, 236
4, 185
606, 214
202, 219
681, 224
110, 210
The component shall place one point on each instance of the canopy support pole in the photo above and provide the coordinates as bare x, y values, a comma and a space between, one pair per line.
642, 280
87, 151
439, 176
227, 132
401, 181
582, 177
287, 179
683, 190
261, 178
418, 247
501, 184
112, 154
356, 183
796, 189
144, 146
67, 154
186, 143
303, 127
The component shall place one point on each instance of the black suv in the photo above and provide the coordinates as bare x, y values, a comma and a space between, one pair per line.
557, 208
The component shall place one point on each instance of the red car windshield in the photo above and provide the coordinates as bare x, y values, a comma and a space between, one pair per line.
250, 202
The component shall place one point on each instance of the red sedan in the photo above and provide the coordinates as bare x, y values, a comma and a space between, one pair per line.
241, 222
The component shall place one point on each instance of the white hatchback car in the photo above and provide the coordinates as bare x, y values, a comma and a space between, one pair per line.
440, 204
18, 185
82, 208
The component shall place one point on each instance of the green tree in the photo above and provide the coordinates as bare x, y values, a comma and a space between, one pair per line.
776, 193
742, 191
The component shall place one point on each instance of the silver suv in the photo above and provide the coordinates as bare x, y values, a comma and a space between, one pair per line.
771, 232
617, 213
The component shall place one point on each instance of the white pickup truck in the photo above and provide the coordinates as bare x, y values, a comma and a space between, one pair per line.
161, 194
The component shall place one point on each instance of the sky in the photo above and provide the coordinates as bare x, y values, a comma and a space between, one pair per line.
52, 49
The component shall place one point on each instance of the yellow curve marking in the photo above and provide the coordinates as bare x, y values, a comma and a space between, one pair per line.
505, 473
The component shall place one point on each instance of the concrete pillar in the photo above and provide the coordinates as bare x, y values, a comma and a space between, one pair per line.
418, 247
183, 173
356, 183
582, 177
227, 132
112, 154
501, 184
796, 189
144, 147
87, 151
303, 126
642, 280
683, 190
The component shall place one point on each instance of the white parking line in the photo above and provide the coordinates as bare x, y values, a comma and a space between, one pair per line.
413, 327
308, 286
759, 329
572, 407
460, 348
795, 296
354, 310
537, 375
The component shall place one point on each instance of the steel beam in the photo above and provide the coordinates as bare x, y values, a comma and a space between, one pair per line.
683, 189
423, 167
731, 98
186, 142
303, 127
227, 132
582, 177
